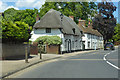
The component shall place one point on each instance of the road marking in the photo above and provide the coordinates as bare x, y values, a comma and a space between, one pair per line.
82, 59
104, 58
113, 65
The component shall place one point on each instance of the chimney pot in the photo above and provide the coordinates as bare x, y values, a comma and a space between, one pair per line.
37, 18
72, 17
79, 19
81, 22
89, 22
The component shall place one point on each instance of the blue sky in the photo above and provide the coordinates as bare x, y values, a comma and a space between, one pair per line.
31, 4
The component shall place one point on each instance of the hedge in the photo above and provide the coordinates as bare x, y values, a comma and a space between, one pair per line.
50, 40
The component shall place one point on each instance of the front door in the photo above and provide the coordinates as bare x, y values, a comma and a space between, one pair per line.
69, 45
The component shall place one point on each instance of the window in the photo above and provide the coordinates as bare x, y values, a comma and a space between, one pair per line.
74, 30
73, 43
93, 44
88, 44
76, 43
48, 30
66, 43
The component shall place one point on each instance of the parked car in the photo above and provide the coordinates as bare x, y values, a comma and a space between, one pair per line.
109, 45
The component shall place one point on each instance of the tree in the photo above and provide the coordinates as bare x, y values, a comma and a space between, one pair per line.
76, 9
9, 14
28, 16
0, 27
17, 32
105, 22
116, 37
17, 25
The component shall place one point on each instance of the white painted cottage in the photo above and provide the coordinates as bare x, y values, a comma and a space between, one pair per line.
52, 24
92, 39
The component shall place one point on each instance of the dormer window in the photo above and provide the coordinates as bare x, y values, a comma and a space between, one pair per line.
73, 30
81, 32
48, 30
36, 28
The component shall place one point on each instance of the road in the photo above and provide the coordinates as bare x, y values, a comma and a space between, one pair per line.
87, 65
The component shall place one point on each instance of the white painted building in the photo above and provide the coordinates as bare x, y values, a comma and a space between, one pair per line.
52, 24
92, 39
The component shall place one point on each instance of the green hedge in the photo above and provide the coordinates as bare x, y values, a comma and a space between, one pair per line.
50, 40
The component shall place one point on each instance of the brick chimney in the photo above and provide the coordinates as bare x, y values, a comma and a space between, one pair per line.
81, 22
72, 17
37, 18
90, 24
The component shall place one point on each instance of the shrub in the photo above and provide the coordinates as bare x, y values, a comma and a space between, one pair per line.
15, 32
50, 40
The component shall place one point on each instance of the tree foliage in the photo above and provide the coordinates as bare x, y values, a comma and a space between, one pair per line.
76, 9
17, 24
15, 32
28, 16
116, 37
105, 22
9, 14
0, 27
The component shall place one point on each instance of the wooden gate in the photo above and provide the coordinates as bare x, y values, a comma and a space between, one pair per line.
34, 48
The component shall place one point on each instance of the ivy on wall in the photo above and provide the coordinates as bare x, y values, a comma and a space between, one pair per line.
50, 40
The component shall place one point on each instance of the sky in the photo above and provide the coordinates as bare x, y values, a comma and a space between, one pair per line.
31, 4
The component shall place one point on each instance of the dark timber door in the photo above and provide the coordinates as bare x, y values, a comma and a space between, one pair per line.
69, 45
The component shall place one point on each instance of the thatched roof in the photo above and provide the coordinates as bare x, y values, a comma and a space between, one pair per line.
52, 19
89, 30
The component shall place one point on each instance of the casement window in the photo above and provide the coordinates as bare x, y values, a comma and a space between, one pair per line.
48, 30
73, 30
76, 43
66, 43
73, 44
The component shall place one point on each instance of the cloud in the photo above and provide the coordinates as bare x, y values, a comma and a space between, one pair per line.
12, 7
4, 6
30, 3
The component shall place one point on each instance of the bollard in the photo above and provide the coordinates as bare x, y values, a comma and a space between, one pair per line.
26, 55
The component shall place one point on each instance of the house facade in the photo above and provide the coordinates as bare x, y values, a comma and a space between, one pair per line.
92, 39
53, 24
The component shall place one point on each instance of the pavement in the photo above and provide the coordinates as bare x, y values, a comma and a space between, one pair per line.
12, 66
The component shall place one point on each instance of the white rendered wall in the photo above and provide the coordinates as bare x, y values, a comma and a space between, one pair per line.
64, 47
96, 42
41, 32
75, 42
